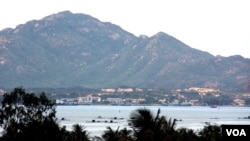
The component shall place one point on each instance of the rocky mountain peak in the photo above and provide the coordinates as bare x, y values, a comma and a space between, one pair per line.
67, 49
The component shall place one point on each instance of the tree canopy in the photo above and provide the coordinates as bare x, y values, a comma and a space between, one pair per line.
25, 116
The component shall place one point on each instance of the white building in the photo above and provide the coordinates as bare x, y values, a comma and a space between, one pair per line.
108, 90
89, 99
115, 101
125, 90
67, 101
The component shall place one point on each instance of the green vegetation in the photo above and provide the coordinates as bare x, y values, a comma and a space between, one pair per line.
27, 117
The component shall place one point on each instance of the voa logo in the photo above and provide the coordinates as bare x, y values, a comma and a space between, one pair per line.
236, 132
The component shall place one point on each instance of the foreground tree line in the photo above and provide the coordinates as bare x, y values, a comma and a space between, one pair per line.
27, 117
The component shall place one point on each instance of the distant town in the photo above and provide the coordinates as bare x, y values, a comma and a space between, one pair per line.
193, 96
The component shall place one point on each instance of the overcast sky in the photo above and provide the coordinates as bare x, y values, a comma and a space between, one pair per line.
220, 27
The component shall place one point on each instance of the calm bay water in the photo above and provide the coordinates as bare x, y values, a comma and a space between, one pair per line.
193, 117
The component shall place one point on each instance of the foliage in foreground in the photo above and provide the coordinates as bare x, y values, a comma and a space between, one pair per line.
27, 117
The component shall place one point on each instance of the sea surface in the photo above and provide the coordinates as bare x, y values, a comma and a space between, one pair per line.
95, 119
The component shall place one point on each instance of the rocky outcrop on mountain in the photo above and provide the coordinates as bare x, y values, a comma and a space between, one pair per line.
67, 50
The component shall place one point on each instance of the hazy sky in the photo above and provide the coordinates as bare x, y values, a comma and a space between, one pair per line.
221, 27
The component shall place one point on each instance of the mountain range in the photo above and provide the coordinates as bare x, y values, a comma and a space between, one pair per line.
74, 49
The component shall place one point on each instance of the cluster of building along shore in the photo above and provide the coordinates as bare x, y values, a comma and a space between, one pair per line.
97, 98
106, 97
